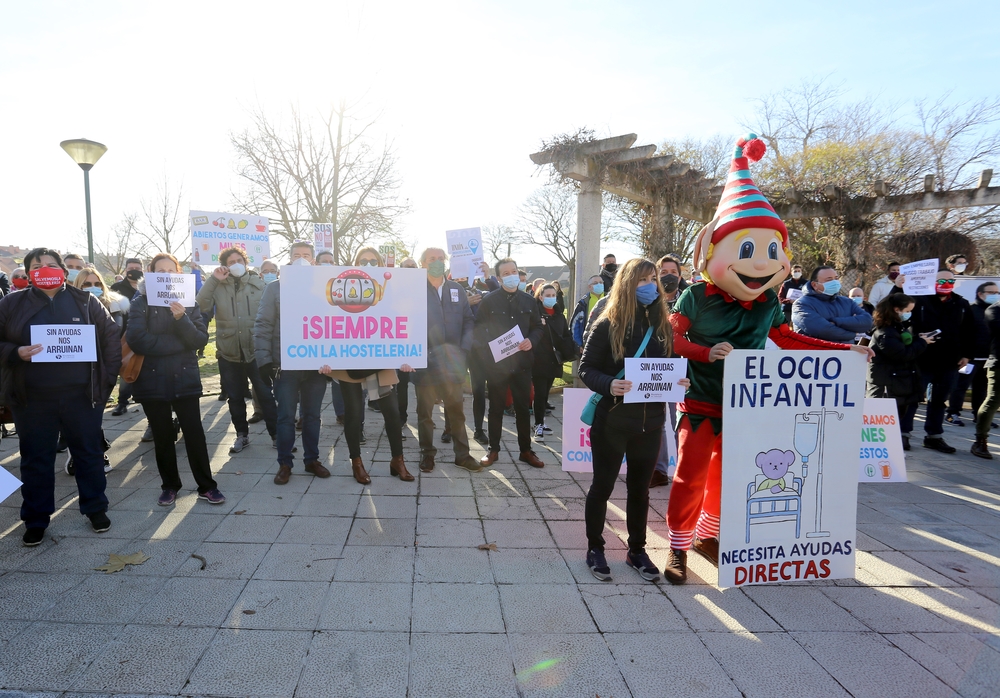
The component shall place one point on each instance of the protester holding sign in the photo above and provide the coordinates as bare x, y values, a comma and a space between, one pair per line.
949, 316
170, 381
235, 291
635, 323
893, 371
304, 389
65, 396
555, 348
501, 312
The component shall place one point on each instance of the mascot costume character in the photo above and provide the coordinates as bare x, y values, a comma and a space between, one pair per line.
743, 257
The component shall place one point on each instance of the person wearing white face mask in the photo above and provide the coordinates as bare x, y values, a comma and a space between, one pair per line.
791, 289
825, 314
957, 264
235, 292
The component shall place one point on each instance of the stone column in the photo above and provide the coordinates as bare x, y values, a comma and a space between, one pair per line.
588, 235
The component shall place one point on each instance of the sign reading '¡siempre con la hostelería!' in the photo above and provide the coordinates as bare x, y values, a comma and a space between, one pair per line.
353, 317
791, 432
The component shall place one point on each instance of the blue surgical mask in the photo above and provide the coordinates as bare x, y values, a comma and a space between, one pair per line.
905, 316
992, 298
858, 299
646, 293
832, 288
522, 285
598, 289
510, 282
269, 277
71, 275
549, 302
96, 290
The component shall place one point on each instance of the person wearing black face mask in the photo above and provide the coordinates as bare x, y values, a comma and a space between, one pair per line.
133, 273
608, 270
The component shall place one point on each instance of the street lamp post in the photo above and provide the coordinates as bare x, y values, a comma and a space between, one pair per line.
85, 154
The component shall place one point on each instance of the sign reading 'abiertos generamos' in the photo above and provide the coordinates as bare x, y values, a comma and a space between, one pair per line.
353, 318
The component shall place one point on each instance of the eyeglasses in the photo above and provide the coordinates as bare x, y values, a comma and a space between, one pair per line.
946, 282
368, 263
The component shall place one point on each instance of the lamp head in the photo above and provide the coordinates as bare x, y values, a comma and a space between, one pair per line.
84, 153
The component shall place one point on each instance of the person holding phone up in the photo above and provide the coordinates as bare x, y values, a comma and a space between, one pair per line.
950, 315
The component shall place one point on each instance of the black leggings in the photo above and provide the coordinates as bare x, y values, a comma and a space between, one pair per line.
161, 422
543, 385
354, 406
609, 443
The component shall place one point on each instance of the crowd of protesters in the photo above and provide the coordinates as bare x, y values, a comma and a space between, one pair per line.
929, 347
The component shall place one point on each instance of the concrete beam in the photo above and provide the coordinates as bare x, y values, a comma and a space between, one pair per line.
871, 205
929, 183
661, 162
984, 179
631, 155
605, 145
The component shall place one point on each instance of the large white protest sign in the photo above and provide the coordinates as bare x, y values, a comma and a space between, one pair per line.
794, 294
655, 380
322, 236
792, 429
353, 318
920, 277
882, 458
64, 343
576, 453
8, 484
164, 289
506, 344
212, 232
465, 249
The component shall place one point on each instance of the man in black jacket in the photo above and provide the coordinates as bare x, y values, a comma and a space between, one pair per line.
950, 314
984, 417
499, 312
52, 398
450, 325
133, 272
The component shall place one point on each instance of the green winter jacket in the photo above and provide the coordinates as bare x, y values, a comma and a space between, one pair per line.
236, 302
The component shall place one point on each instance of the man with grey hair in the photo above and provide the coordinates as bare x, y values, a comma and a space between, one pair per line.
408, 263
450, 325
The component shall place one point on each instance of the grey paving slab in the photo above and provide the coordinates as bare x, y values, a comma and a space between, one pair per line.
226, 560
641, 658
529, 566
519, 534
706, 608
395, 532
371, 664
242, 662
146, 659
456, 608
382, 506
441, 662
566, 665
447, 507
364, 563
324, 530
327, 504
105, 598
963, 662
884, 612
797, 607
453, 565
278, 605
190, 602
52, 655
299, 562
450, 533
248, 529
366, 606
626, 608
868, 665
544, 608
29, 595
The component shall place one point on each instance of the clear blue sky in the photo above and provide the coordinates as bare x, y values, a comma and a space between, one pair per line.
467, 89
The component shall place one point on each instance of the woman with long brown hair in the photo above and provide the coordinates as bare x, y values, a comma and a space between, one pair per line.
635, 323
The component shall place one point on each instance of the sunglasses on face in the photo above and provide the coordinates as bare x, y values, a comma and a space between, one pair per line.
946, 282
368, 263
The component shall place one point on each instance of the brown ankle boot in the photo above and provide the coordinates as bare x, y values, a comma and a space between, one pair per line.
981, 448
360, 474
398, 468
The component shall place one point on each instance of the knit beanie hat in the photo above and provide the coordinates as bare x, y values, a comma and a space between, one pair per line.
742, 205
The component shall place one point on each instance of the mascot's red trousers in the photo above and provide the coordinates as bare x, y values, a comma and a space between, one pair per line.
696, 492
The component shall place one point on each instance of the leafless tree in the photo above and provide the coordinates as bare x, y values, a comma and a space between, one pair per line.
303, 170
547, 219
163, 228
122, 242
499, 241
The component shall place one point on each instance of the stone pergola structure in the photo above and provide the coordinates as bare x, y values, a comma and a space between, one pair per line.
668, 187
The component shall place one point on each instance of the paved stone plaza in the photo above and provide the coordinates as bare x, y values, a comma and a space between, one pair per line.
328, 588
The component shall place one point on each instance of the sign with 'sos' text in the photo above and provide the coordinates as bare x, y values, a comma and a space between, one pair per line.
212, 232
882, 458
322, 236
164, 289
353, 318
64, 343
655, 380
792, 430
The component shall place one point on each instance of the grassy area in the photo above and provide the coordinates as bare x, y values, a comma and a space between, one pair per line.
208, 366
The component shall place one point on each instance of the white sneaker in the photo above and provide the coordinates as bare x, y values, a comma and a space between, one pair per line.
107, 464
242, 441
546, 429
540, 432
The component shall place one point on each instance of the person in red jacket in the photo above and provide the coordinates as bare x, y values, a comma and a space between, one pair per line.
742, 256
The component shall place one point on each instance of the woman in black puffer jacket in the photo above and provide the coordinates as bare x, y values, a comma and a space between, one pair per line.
893, 371
168, 338
556, 347
636, 306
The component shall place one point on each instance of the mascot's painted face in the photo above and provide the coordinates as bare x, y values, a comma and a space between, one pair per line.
744, 264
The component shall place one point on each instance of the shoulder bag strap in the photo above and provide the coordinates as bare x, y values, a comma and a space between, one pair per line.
642, 348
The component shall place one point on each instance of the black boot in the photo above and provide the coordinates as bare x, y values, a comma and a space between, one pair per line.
981, 448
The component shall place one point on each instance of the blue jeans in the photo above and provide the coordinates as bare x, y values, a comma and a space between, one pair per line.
291, 389
39, 424
233, 376
942, 384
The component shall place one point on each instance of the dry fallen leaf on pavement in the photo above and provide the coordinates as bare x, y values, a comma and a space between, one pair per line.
487, 546
116, 563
